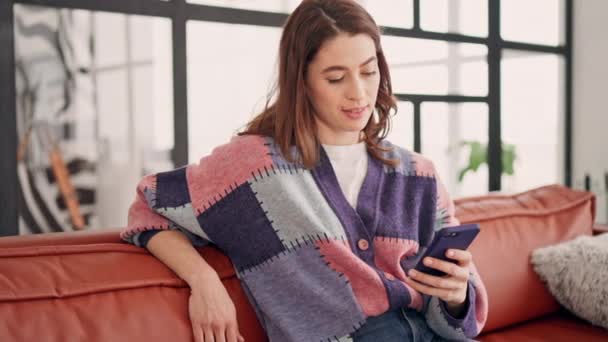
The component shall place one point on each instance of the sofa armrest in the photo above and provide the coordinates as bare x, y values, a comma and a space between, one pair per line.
599, 228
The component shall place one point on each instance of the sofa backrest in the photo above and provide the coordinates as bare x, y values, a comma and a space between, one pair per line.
90, 286
512, 226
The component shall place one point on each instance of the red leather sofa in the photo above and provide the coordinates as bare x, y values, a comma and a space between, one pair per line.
89, 286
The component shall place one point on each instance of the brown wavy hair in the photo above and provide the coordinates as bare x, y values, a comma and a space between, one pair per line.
290, 118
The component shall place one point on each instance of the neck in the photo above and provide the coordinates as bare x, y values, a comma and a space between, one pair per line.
346, 139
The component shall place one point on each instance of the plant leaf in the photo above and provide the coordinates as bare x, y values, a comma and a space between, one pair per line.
508, 159
478, 155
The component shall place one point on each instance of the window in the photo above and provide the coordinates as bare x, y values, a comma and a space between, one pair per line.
532, 117
99, 85
537, 22
230, 72
463, 70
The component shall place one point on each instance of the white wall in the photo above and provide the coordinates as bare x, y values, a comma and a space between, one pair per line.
590, 115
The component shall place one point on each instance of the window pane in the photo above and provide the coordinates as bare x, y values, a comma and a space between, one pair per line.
281, 6
100, 86
538, 21
532, 95
468, 17
395, 13
402, 129
134, 87
422, 66
230, 70
448, 131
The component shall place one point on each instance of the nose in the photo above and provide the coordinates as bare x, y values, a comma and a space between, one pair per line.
356, 90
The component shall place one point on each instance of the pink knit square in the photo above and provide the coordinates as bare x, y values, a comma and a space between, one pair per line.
366, 283
227, 167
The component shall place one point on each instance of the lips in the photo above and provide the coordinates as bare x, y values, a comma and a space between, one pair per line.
355, 112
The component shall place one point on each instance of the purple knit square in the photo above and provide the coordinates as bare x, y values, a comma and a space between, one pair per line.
408, 207
238, 225
172, 189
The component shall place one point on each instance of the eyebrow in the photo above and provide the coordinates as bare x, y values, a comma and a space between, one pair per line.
339, 67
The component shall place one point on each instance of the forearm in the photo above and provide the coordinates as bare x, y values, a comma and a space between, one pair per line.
174, 249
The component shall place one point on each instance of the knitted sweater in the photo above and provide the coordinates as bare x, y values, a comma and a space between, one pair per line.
313, 267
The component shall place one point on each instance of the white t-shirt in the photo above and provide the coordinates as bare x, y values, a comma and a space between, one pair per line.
350, 165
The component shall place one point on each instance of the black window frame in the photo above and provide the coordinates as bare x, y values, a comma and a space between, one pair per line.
180, 11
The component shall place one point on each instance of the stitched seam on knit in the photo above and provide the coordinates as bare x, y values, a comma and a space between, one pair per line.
135, 230
410, 174
281, 168
262, 173
153, 197
307, 240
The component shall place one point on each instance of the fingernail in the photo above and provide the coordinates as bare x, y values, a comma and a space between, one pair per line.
428, 261
413, 273
450, 253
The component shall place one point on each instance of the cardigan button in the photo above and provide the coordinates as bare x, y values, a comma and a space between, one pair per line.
363, 244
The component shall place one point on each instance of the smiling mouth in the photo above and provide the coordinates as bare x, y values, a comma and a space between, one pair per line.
355, 113
356, 110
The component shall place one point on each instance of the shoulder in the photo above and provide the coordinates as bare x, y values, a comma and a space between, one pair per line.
237, 158
410, 163
249, 142
243, 149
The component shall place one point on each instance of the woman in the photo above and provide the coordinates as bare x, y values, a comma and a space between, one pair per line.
321, 216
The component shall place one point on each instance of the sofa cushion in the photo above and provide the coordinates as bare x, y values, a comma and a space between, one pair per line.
558, 326
512, 226
576, 273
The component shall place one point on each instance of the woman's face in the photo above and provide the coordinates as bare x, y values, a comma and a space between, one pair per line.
342, 81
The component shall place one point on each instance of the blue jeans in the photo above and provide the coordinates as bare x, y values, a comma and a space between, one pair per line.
396, 326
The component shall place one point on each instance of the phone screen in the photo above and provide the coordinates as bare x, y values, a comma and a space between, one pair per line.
457, 237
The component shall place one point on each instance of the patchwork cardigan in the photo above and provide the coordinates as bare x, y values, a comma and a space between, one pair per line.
313, 267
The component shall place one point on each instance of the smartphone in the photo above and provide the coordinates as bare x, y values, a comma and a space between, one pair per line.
456, 237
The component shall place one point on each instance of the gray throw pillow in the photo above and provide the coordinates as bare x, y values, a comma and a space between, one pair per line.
576, 273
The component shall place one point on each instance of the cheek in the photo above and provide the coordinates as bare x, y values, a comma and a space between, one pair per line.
325, 97
373, 87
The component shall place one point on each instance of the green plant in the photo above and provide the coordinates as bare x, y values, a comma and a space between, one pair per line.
478, 156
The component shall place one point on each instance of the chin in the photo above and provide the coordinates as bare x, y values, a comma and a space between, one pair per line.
354, 129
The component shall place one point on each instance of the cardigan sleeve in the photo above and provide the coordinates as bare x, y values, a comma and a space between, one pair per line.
474, 317
162, 202
200, 199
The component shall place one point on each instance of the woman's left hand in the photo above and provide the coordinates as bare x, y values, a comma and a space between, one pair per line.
451, 288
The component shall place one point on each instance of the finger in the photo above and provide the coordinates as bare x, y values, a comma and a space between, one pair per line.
209, 335
232, 333
463, 257
220, 335
197, 331
449, 283
447, 267
428, 290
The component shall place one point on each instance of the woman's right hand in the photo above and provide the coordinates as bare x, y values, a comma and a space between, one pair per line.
212, 312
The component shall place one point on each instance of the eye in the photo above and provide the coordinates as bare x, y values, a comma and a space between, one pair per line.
370, 73
335, 80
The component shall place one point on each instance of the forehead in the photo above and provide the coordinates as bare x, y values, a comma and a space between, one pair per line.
345, 50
